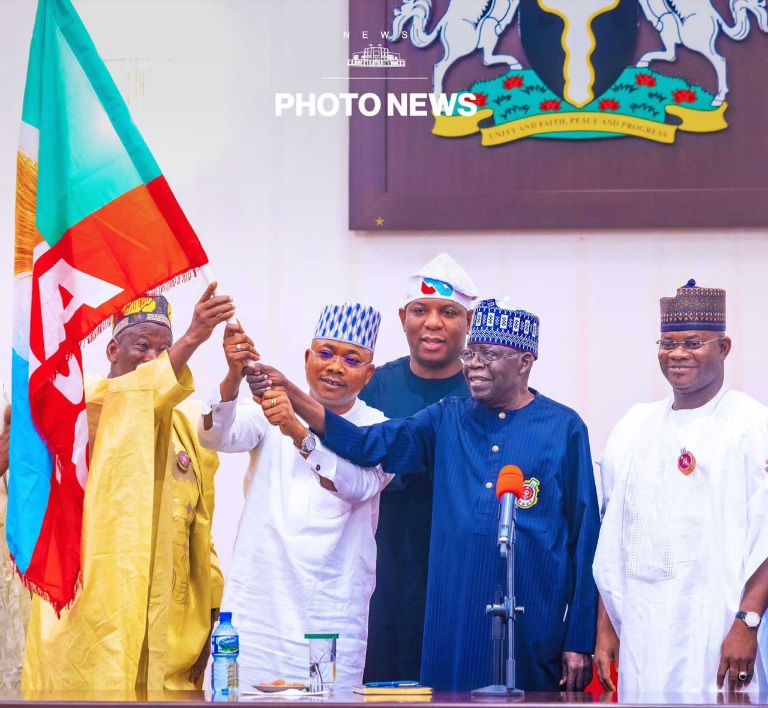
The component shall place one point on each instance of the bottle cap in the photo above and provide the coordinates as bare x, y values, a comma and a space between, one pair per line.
225, 616
321, 636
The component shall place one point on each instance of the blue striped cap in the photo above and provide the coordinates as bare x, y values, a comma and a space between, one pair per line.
351, 322
499, 323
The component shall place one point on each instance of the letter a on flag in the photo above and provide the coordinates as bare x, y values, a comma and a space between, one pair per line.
96, 227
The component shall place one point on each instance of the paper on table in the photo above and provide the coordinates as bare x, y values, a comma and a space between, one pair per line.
288, 693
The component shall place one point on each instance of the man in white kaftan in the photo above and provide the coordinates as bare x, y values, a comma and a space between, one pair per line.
684, 539
305, 556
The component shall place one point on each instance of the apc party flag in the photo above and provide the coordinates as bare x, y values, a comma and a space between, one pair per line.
96, 227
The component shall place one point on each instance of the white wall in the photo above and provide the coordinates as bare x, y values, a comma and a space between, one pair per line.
268, 198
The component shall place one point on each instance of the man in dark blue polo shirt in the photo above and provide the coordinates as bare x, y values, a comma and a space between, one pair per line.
435, 318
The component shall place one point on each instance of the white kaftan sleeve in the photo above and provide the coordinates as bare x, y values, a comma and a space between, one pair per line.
353, 484
756, 550
236, 427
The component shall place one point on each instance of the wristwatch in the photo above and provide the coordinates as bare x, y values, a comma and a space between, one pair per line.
308, 444
751, 619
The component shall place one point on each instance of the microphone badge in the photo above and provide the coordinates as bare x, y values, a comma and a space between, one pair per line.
530, 494
686, 463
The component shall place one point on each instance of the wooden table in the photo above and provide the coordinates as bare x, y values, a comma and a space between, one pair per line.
342, 698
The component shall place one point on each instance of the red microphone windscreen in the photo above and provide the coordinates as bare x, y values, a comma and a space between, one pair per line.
510, 480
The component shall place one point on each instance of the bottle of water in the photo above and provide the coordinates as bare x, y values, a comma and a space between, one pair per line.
225, 650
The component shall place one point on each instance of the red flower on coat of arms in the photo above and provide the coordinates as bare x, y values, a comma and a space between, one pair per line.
684, 96
479, 99
645, 80
512, 82
550, 105
609, 104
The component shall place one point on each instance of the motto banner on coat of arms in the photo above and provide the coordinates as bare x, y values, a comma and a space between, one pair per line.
559, 114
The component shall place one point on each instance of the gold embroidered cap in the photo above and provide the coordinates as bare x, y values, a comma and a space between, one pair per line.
694, 308
144, 309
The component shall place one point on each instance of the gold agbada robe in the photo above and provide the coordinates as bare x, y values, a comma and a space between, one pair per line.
137, 621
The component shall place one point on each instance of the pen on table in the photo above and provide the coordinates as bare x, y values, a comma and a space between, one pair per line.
391, 684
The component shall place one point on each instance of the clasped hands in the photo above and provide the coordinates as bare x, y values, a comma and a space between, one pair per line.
267, 384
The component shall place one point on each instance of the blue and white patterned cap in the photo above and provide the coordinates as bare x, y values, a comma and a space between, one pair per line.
501, 323
351, 322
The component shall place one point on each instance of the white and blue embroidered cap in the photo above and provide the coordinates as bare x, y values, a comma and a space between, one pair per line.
351, 322
501, 323
442, 278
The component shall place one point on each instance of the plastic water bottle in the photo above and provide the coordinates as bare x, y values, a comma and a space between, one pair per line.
225, 649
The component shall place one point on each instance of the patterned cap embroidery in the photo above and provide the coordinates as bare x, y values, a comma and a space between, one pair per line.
693, 308
351, 322
495, 324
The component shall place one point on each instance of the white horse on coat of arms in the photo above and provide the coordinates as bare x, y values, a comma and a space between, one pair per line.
467, 25
696, 24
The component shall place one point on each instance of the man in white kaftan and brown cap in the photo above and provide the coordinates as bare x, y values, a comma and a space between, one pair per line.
681, 561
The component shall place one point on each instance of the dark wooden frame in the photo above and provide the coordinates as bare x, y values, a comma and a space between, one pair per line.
401, 174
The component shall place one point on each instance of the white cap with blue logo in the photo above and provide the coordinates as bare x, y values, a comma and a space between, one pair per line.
442, 278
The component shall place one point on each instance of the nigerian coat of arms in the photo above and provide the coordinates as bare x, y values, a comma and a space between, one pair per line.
582, 81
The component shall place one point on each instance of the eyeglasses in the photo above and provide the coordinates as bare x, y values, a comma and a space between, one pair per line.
483, 357
690, 345
351, 362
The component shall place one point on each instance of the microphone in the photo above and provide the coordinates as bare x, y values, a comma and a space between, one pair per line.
509, 486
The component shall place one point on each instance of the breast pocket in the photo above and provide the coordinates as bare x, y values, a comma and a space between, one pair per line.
486, 512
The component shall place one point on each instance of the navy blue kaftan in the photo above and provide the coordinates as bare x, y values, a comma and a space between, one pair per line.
398, 604
462, 446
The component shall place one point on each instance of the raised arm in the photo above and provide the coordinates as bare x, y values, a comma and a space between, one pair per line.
402, 445
350, 482
239, 352
209, 311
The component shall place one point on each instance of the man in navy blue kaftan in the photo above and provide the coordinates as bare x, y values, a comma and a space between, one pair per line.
462, 444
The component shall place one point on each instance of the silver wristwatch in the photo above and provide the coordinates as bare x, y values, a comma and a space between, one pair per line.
751, 619
308, 443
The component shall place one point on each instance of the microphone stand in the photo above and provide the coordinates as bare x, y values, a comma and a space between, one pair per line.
504, 612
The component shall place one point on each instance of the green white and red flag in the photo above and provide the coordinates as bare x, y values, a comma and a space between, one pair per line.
96, 227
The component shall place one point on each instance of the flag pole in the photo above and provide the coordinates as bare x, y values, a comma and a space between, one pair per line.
209, 278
